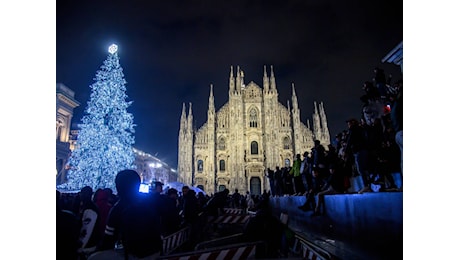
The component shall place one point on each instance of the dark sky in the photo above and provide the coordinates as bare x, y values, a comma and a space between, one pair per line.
171, 51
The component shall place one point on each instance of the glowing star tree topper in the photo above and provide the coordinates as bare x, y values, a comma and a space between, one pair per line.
113, 48
105, 139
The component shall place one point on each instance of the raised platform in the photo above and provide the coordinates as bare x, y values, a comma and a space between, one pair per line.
355, 226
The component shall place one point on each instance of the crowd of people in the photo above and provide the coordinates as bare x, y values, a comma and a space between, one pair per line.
90, 221
368, 152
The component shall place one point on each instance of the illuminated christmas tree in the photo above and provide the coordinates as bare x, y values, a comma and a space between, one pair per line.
105, 139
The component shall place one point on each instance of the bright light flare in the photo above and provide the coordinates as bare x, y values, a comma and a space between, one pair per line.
113, 48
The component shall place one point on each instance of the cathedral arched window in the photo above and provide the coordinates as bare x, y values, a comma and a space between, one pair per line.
253, 118
200, 165
286, 143
222, 165
221, 145
254, 147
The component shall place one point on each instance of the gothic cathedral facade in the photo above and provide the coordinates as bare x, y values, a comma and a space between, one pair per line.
250, 133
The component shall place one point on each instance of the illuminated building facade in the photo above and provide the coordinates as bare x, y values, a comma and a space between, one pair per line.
151, 169
253, 131
65, 104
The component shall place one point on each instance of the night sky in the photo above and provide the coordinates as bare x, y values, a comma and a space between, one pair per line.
171, 51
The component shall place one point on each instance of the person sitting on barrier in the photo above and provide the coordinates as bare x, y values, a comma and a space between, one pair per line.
132, 219
317, 182
334, 184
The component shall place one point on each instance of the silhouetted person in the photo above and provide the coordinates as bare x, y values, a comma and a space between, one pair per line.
278, 182
102, 198
171, 220
216, 203
133, 219
264, 227
333, 184
236, 198
67, 232
89, 222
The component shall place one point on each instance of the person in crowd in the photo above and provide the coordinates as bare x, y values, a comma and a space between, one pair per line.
317, 183
380, 82
385, 167
184, 191
171, 219
371, 93
191, 218
357, 145
133, 220
271, 180
397, 119
236, 199
191, 207
202, 199
318, 153
278, 182
67, 232
288, 187
104, 204
333, 185
331, 156
264, 227
252, 200
305, 172
216, 204
296, 177
89, 222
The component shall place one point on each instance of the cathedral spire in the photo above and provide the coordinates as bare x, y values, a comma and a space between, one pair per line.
266, 80
272, 80
295, 104
183, 117
211, 100
238, 79
322, 114
324, 128
190, 117
231, 81
316, 123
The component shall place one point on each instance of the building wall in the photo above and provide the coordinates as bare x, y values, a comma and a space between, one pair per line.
253, 131
65, 104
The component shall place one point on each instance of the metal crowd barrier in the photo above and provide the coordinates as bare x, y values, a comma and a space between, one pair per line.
233, 251
234, 211
309, 250
231, 219
175, 240
232, 239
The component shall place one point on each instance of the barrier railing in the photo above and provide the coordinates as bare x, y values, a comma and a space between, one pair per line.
309, 250
234, 211
233, 251
175, 240
231, 219
232, 239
